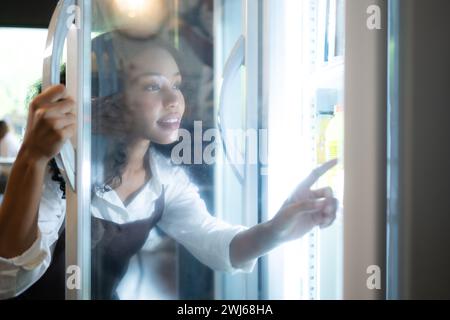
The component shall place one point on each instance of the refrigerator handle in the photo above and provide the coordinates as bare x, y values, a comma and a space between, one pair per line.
57, 33
231, 70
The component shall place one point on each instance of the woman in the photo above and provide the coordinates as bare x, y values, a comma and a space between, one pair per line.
135, 186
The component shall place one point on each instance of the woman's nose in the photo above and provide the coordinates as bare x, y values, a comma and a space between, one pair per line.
171, 98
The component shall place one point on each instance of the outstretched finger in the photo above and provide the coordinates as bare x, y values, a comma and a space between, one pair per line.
317, 173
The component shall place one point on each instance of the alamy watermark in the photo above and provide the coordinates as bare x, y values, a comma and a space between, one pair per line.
205, 146
373, 282
73, 280
374, 19
74, 16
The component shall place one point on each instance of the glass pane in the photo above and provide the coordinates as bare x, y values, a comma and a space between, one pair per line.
154, 133
170, 81
229, 171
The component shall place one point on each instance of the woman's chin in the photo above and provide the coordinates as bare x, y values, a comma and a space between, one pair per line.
169, 139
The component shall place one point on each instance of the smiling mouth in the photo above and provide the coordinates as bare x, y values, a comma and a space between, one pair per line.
170, 123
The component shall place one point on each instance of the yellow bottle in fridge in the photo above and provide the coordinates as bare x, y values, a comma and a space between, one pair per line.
321, 148
334, 137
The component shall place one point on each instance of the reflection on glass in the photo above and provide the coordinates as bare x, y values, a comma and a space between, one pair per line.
153, 96
138, 102
140, 89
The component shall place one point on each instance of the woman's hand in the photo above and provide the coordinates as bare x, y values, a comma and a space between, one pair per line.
51, 122
305, 208
302, 211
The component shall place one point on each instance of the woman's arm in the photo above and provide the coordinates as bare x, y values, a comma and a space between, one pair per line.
304, 210
51, 121
252, 244
18, 211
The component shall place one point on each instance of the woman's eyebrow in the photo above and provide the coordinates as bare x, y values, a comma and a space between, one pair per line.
152, 74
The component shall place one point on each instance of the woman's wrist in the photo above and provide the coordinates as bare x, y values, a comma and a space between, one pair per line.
273, 234
26, 156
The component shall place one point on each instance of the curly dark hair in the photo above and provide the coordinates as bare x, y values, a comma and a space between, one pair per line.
110, 126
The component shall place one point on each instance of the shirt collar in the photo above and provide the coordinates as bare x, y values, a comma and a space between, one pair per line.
155, 184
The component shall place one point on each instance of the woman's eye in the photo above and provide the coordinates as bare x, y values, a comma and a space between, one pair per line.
177, 86
152, 88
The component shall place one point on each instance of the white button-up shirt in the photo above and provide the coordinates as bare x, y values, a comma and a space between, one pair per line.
185, 218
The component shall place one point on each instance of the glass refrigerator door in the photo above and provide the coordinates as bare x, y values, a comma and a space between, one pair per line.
149, 147
293, 104
195, 110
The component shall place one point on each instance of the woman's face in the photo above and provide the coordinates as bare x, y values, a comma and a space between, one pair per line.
153, 96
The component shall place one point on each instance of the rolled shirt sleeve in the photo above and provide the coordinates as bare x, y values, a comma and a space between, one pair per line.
19, 273
187, 220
